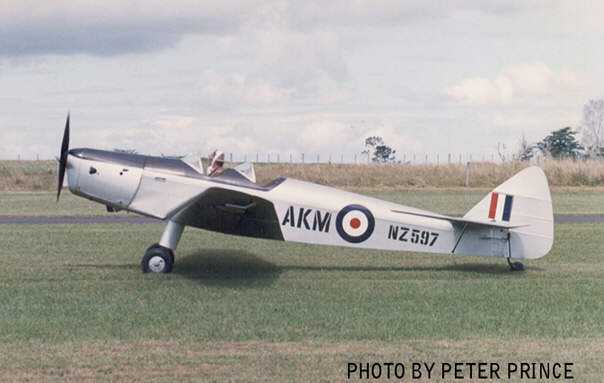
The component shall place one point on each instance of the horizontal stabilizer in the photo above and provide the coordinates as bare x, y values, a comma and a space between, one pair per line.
464, 221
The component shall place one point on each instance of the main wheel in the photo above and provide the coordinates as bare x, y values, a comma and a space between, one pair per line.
158, 260
171, 253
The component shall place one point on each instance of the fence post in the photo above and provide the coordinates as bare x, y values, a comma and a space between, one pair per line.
426, 158
468, 173
256, 157
437, 159
355, 158
318, 158
302, 157
460, 158
291, 159
449, 159
342, 158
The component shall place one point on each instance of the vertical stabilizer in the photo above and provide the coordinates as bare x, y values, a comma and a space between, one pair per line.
523, 200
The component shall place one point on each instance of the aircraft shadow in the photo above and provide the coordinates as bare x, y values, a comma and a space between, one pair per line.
233, 264
222, 267
242, 268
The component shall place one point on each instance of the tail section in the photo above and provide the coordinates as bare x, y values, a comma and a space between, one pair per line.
523, 202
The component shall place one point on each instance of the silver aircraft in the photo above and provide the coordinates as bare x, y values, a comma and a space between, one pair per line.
515, 220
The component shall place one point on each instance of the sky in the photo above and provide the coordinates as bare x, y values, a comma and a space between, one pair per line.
292, 77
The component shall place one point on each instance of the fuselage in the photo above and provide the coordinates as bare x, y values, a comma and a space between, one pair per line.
285, 209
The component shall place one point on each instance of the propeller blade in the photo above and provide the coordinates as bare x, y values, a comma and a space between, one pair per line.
63, 159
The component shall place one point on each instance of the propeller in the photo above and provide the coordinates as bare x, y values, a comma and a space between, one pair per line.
63, 159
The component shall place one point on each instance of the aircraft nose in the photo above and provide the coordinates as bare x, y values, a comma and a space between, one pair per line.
72, 169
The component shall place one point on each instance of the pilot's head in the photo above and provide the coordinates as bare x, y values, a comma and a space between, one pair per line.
216, 160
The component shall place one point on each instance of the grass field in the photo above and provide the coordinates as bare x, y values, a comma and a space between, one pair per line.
74, 305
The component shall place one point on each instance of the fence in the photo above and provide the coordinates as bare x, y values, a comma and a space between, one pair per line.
349, 158
363, 158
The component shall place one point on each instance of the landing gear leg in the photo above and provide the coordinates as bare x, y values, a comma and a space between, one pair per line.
514, 266
159, 258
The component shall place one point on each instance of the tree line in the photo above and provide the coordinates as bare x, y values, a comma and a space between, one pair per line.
563, 143
559, 144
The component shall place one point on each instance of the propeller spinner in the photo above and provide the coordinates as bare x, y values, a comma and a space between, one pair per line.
63, 159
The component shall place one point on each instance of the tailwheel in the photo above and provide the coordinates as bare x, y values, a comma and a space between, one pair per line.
515, 266
158, 260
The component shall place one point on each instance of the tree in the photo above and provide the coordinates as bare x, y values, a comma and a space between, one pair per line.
379, 150
501, 147
592, 129
526, 151
561, 144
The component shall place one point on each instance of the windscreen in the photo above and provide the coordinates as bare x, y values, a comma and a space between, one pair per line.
246, 169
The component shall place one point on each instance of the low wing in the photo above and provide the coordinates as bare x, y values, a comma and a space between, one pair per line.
231, 212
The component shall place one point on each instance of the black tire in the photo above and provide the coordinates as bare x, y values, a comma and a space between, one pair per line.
158, 260
171, 255
517, 266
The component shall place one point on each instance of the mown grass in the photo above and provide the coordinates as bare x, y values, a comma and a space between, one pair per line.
84, 283
455, 201
73, 299
182, 360
41, 175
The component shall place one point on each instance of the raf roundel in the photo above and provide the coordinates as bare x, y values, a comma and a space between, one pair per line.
355, 223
